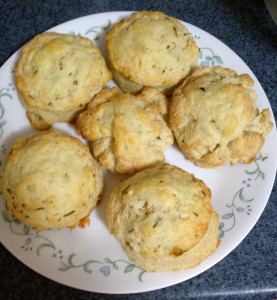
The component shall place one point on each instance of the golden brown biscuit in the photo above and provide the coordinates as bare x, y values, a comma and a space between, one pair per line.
57, 75
215, 119
127, 133
50, 180
150, 49
163, 218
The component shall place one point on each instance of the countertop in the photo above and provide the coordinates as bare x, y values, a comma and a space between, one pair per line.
249, 271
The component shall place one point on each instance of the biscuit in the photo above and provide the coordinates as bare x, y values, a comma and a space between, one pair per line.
150, 49
50, 181
127, 132
57, 75
215, 119
163, 218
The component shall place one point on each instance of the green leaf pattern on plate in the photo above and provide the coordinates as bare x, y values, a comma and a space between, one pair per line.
4, 94
36, 241
94, 32
209, 58
240, 203
69, 264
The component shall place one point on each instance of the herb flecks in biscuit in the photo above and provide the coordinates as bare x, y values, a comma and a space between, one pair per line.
127, 132
50, 181
57, 75
150, 49
163, 218
215, 119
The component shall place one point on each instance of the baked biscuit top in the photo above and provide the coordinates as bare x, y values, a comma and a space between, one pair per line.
127, 132
60, 72
152, 49
50, 180
163, 218
215, 119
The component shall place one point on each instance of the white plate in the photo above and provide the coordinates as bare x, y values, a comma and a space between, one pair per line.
91, 259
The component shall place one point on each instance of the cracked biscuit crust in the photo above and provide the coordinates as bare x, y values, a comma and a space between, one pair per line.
215, 119
150, 49
50, 181
127, 133
57, 75
163, 218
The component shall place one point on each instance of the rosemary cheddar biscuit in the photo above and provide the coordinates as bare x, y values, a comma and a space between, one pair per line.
163, 218
150, 49
127, 132
57, 75
50, 181
215, 119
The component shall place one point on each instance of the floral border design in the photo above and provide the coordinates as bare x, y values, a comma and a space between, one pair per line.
4, 93
35, 241
240, 203
95, 31
209, 57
